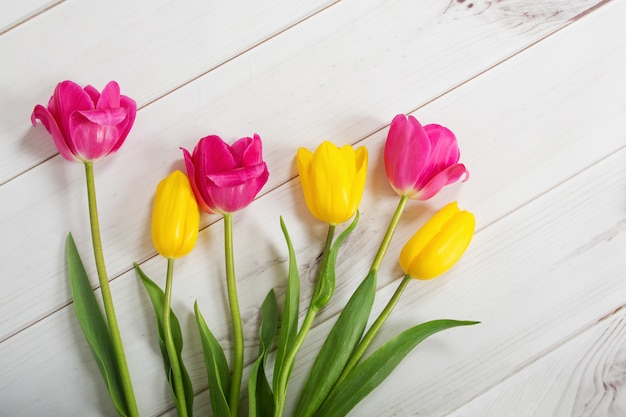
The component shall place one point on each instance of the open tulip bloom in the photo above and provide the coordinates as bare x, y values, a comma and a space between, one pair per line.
225, 179
420, 161
87, 125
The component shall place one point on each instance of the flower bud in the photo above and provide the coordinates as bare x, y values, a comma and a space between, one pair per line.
333, 180
439, 244
175, 217
421, 160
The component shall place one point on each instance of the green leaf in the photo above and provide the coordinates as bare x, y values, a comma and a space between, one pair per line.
216, 366
289, 322
324, 291
366, 376
338, 347
94, 327
260, 394
157, 297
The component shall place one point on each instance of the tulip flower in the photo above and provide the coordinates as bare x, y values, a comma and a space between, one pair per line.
175, 217
86, 125
439, 244
226, 178
333, 180
420, 161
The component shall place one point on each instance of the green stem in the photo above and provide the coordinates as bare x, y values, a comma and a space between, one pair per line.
281, 391
177, 376
384, 245
371, 333
118, 348
233, 301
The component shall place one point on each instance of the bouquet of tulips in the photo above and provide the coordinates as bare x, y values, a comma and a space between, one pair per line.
87, 125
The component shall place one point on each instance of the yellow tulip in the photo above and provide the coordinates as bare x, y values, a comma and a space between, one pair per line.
175, 217
333, 180
439, 244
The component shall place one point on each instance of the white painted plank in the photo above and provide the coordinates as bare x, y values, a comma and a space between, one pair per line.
152, 47
497, 253
149, 46
294, 91
14, 12
584, 377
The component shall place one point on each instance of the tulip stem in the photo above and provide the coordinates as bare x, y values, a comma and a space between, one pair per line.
233, 301
373, 330
384, 245
177, 378
107, 299
281, 391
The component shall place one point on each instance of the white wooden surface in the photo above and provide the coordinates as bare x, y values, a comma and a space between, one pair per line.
534, 91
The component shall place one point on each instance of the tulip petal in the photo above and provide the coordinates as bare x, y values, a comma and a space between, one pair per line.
253, 152
48, 121
358, 184
93, 94
236, 176
444, 152
191, 174
211, 154
124, 127
94, 132
69, 97
447, 176
406, 151
333, 170
445, 248
425, 234
110, 96
236, 189
304, 159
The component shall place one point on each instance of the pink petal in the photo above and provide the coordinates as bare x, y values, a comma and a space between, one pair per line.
406, 151
237, 176
94, 133
212, 154
93, 93
253, 153
110, 97
229, 199
48, 121
447, 176
191, 174
444, 152
124, 127
69, 97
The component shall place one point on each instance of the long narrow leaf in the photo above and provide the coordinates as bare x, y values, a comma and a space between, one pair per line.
337, 348
260, 394
94, 326
289, 320
157, 297
216, 366
370, 373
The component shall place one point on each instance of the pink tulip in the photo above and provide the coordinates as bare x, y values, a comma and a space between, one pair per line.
420, 161
226, 178
85, 124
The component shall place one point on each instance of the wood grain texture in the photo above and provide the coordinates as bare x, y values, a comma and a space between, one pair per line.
149, 47
16, 12
533, 90
357, 90
584, 377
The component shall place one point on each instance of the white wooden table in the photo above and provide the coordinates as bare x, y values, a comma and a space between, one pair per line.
534, 90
